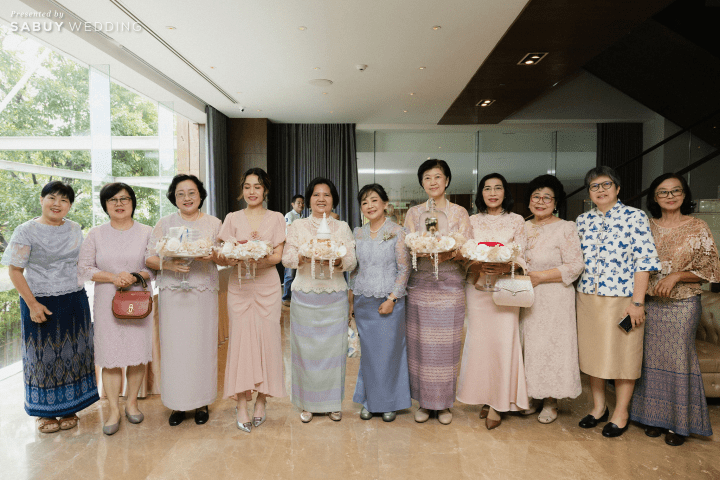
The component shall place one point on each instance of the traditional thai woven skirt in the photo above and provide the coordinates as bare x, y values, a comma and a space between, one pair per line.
670, 392
319, 343
58, 359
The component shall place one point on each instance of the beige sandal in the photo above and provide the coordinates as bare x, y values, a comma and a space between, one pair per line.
66, 423
47, 425
548, 414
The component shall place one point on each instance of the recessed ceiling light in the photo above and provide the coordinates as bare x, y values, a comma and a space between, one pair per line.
212, 67
422, 68
170, 27
436, 27
316, 68
484, 103
412, 93
532, 58
331, 111
404, 111
324, 93
302, 28
320, 82
259, 110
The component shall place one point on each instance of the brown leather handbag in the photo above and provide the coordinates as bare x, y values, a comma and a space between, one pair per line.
132, 305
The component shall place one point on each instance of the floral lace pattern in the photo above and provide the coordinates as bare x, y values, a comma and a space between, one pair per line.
49, 255
202, 275
555, 245
505, 228
304, 230
688, 247
383, 262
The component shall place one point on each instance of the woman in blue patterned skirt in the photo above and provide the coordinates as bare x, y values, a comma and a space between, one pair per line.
670, 394
57, 348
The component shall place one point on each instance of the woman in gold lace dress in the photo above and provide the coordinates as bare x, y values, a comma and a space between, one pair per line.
670, 395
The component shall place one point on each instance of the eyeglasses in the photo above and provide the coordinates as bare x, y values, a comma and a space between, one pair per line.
542, 199
121, 200
594, 187
182, 195
675, 192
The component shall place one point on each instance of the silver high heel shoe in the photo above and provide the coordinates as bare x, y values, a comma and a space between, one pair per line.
245, 427
257, 421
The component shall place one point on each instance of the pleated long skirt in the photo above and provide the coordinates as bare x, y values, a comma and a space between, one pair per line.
605, 350
58, 360
492, 371
670, 392
188, 348
435, 318
319, 343
383, 383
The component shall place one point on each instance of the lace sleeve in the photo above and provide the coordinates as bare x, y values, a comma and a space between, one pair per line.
87, 266
571, 254
466, 229
354, 273
520, 237
349, 261
705, 262
150, 271
402, 257
411, 220
155, 236
290, 253
17, 253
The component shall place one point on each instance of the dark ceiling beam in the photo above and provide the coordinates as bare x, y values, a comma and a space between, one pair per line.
572, 31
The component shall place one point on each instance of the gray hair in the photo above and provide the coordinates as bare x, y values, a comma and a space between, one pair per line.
600, 172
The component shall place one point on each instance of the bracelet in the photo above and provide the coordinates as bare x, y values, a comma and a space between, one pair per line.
638, 304
394, 300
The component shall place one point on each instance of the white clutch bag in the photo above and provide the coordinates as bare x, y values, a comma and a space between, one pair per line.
515, 291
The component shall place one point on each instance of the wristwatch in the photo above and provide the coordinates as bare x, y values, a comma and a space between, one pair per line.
394, 300
638, 304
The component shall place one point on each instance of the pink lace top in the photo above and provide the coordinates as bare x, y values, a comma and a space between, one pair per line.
505, 228
686, 248
554, 245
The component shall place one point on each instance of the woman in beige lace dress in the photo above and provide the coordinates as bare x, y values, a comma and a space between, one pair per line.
669, 394
549, 329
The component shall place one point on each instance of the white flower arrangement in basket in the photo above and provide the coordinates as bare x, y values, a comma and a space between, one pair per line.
492, 252
431, 243
246, 250
322, 247
184, 243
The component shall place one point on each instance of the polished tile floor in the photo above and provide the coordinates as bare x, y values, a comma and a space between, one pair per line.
283, 447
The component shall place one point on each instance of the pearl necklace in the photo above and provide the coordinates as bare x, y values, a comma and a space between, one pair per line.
197, 215
543, 222
376, 231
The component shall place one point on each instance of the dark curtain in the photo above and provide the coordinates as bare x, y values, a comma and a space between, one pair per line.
616, 144
297, 153
217, 163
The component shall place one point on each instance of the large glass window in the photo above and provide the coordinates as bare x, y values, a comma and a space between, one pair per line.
62, 120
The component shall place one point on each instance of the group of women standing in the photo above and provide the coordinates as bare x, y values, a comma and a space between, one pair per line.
410, 323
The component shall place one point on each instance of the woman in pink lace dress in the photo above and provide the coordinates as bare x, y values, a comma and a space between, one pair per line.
492, 371
110, 256
549, 329
669, 396
254, 357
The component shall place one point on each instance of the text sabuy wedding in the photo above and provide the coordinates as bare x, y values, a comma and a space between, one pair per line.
47, 26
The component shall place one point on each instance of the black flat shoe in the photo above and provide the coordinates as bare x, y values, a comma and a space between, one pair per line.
176, 418
202, 415
611, 430
653, 432
589, 421
673, 439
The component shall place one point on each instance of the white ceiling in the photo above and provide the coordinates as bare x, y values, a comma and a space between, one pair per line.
264, 61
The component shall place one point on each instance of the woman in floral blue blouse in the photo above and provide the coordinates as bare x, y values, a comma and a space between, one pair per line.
619, 255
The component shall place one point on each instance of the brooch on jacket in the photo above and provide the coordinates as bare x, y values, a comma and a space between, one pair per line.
388, 236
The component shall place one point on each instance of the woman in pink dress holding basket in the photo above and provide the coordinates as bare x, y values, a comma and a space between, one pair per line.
492, 371
254, 357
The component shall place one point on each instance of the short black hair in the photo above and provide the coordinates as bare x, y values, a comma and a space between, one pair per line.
295, 197
323, 181
57, 187
263, 179
111, 189
687, 205
181, 178
507, 202
434, 163
372, 187
551, 182
602, 171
